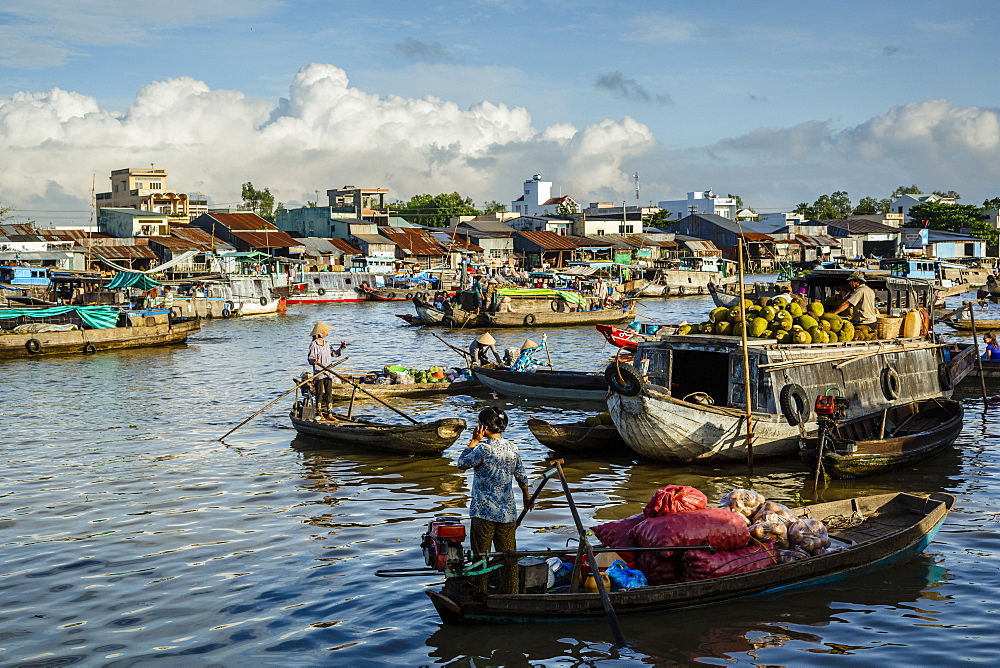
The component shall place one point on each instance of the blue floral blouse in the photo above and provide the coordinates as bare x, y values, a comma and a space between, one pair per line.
496, 462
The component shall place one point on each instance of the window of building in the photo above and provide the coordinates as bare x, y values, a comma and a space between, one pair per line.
496, 252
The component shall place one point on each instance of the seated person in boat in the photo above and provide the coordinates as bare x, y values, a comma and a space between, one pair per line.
784, 295
480, 349
505, 305
321, 355
496, 464
992, 351
862, 298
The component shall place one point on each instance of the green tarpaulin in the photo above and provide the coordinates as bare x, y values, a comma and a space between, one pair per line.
98, 317
128, 279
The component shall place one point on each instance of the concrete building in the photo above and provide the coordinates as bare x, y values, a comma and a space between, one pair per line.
537, 199
781, 219
145, 190
701, 202
129, 222
904, 203
363, 203
540, 223
326, 222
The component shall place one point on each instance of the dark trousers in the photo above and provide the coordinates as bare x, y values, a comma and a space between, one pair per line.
323, 387
501, 535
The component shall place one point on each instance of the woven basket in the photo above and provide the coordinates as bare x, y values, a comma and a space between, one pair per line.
888, 327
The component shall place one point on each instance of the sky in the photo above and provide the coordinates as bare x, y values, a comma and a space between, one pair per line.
777, 102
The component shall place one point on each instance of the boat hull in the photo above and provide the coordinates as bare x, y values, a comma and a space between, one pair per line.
94, 340
578, 437
429, 438
344, 391
544, 385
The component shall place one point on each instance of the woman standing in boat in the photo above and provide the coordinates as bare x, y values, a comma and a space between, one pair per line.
321, 355
497, 464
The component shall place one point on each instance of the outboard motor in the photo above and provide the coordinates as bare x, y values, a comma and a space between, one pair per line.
442, 533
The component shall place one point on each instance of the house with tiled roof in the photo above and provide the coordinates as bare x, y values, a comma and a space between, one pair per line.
537, 199
862, 237
539, 248
415, 245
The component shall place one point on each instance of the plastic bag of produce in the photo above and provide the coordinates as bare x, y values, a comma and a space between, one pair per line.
623, 577
616, 533
771, 531
811, 535
660, 568
774, 512
719, 528
746, 502
675, 499
700, 565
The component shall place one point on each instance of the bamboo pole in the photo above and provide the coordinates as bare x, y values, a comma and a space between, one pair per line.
344, 379
746, 364
975, 342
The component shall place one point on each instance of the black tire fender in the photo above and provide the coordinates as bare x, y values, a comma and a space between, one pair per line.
889, 380
263, 301
944, 376
89, 348
624, 379
529, 320
322, 291
409, 295
794, 404
391, 295
33, 346
229, 305
226, 312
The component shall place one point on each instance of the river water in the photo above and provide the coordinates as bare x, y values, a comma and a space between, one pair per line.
130, 535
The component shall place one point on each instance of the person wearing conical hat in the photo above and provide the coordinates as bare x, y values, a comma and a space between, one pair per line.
480, 349
862, 298
321, 355
528, 344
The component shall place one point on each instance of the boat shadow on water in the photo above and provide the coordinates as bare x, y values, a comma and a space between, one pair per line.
786, 625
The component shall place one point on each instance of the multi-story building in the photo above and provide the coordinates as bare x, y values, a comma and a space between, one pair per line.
326, 222
537, 199
366, 203
144, 190
701, 202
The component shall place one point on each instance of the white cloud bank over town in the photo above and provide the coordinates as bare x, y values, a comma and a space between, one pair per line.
327, 134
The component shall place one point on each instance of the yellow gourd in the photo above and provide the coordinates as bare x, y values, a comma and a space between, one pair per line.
912, 324
590, 584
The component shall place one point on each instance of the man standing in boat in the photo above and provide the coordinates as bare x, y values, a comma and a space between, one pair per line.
321, 355
497, 464
862, 298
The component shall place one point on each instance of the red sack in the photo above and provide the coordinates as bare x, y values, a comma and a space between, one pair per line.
722, 529
675, 499
616, 533
700, 565
660, 568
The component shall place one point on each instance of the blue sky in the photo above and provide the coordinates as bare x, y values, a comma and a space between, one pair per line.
778, 102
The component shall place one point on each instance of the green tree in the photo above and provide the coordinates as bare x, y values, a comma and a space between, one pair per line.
950, 194
435, 210
832, 207
261, 202
567, 209
953, 218
803, 209
5, 212
906, 190
660, 219
870, 205
739, 200
993, 203
494, 206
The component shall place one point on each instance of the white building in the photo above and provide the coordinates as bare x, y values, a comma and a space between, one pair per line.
537, 199
701, 202
781, 219
904, 203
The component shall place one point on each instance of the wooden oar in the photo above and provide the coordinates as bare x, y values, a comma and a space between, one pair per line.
358, 387
465, 355
270, 403
609, 609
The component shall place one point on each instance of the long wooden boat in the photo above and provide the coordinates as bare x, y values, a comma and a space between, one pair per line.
428, 438
877, 532
400, 293
548, 385
965, 325
579, 437
343, 391
888, 439
628, 338
136, 329
427, 313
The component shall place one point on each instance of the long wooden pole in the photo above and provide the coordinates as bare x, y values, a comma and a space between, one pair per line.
538, 490
465, 355
609, 609
270, 403
358, 387
975, 342
746, 364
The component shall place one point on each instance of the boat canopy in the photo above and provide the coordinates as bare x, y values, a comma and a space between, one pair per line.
130, 279
572, 297
98, 317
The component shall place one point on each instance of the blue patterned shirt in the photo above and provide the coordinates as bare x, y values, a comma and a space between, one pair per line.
496, 462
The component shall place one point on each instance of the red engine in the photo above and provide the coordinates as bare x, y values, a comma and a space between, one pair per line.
442, 532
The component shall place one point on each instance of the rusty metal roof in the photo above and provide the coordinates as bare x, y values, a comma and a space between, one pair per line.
547, 240
755, 236
275, 239
130, 252
241, 221
415, 240
344, 246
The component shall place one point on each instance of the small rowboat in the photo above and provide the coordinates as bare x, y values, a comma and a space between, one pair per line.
428, 438
876, 531
579, 437
966, 325
561, 385
393, 294
887, 439
343, 391
629, 339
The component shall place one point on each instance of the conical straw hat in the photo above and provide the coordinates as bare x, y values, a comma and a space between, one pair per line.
320, 328
528, 343
486, 339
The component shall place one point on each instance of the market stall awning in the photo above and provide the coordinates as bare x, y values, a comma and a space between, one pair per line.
131, 279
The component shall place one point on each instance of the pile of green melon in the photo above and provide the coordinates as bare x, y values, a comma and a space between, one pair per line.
601, 419
796, 322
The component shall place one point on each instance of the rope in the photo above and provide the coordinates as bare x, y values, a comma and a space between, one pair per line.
482, 565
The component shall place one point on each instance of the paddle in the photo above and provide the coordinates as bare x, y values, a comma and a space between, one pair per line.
270, 403
358, 387
609, 610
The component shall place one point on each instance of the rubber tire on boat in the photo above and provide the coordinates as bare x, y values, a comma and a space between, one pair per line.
680, 290
794, 404
624, 379
944, 377
229, 304
409, 295
558, 305
226, 312
391, 295
89, 348
34, 346
529, 320
263, 301
364, 285
322, 291
889, 380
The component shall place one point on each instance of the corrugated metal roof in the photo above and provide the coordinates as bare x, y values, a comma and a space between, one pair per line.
242, 221
344, 246
755, 236
548, 240
700, 245
416, 241
860, 226
373, 239
275, 239
132, 252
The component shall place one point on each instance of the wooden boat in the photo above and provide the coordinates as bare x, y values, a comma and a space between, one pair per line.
400, 293
730, 297
684, 400
343, 391
559, 385
685, 277
629, 338
427, 313
965, 325
579, 437
134, 329
428, 438
876, 533
534, 307
323, 287
887, 439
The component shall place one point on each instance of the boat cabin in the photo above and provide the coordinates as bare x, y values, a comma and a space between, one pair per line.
945, 273
24, 275
718, 265
894, 295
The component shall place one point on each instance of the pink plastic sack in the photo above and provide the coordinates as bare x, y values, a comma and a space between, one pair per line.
616, 533
722, 529
660, 568
675, 499
700, 565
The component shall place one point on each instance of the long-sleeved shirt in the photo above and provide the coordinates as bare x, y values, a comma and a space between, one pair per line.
496, 463
320, 355
480, 353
